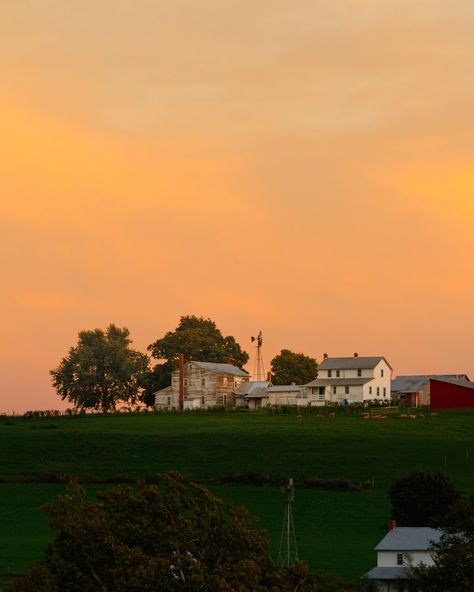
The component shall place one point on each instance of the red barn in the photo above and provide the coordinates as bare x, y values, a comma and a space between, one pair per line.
451, 394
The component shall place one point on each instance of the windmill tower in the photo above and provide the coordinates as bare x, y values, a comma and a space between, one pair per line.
288, 553
258, 369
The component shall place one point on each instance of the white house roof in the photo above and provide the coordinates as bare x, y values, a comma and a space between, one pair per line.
339, 381
221, 368
352, 363
388, 573
415, 383
409, 538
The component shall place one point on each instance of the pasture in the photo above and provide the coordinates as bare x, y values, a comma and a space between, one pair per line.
336, 529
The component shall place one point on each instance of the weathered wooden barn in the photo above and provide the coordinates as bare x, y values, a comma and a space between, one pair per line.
206, 384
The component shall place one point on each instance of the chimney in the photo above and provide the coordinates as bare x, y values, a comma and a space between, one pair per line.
392, 524
325, 356
356, 355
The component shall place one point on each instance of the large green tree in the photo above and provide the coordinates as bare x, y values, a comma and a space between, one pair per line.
198, 339
169, 536
101, 371
422, 498
288, 367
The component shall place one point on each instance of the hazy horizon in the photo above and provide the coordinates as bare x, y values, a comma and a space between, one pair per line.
302, 169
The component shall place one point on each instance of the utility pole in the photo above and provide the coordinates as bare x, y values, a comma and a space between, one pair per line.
181, 382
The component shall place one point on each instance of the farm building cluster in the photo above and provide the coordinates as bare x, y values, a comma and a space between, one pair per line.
340, 381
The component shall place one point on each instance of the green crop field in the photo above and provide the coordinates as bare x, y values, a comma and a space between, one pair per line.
336, 530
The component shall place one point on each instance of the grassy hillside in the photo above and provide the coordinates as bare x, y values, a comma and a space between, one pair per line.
336, 530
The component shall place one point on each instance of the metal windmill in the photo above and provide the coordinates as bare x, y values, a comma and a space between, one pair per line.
258, 369
288, 552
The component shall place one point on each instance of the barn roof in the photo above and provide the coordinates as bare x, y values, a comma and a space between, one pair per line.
351, 363
415, 383
409, 538
220, 368
463, 383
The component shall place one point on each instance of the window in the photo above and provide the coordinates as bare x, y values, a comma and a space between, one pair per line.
384, 392
224, 381
370, 390
203, 382
329, 373
381, 372
338, 373
225, 399
321, 393
359, 372
347, 390
334, 389
203, 400
168, 401
378, 391
399, 558
185, 382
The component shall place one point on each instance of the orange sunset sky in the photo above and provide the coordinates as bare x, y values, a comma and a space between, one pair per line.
305, 168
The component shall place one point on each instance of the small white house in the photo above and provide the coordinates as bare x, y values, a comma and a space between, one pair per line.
352, 379
289, 394
401, 549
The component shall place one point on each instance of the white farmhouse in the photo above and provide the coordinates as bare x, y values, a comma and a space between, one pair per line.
354, 379
401, 549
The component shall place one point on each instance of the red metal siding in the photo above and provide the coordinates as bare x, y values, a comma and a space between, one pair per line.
445, 395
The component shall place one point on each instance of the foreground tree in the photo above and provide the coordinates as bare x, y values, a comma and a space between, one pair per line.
422, 498
198, 339
168, 536
453, 568
288, 367
101, 371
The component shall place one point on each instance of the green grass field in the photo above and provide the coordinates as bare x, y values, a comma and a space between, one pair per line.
336, 530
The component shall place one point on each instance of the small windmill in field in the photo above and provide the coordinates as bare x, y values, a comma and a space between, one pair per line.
288, 553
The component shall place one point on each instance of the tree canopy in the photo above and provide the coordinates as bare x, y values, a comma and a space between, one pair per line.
422, 498
170, 535
453, 568
101, 371
288, 367
197, 338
